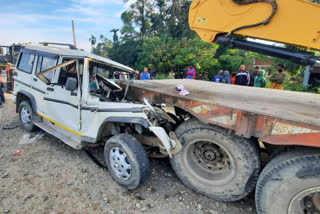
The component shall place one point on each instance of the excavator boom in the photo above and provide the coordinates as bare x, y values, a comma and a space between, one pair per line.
292, 22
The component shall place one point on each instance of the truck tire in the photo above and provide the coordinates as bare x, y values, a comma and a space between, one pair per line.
126, 160
290, 183
221, 166
26, 116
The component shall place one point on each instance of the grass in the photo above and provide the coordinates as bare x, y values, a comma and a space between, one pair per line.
161, 76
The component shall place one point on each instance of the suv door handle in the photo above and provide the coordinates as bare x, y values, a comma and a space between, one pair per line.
35, 79
50, 89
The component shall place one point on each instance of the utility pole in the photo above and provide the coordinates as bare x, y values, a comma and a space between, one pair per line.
91, 42
74, 35
306, 76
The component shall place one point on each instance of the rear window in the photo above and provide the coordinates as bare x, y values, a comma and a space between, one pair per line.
26, 62
45, 63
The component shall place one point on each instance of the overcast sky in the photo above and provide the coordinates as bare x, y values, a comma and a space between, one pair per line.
50, 20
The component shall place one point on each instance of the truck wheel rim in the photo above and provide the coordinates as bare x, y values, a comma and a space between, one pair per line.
25, 115
210, 161
120, 164
306, 202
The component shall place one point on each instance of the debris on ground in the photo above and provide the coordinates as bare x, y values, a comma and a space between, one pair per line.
28, 139
19, 152
12, 125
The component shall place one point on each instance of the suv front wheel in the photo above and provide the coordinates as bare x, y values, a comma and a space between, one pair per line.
127, 160
26, 116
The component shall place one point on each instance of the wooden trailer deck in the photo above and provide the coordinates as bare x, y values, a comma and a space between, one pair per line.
278, 117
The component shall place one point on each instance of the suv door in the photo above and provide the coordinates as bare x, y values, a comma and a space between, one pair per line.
62, 106
23, 71
39, 87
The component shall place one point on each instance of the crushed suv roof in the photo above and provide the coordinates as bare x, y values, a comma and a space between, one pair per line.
76, 53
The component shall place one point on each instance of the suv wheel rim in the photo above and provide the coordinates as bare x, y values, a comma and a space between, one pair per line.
25, 115
120, 163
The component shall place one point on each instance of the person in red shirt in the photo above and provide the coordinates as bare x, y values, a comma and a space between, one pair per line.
233, 77
191, 72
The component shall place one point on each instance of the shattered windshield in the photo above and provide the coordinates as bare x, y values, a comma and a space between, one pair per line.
102, 80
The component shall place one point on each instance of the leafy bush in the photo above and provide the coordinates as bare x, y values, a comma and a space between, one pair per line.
295, 86
162, 76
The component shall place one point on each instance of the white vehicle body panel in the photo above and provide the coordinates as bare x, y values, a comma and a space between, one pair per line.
78, 114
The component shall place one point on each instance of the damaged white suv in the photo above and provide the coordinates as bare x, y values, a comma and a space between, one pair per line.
73, 96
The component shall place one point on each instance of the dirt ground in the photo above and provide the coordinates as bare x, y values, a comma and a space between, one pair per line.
50, 177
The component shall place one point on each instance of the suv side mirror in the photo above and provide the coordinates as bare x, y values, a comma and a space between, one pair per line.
71, 84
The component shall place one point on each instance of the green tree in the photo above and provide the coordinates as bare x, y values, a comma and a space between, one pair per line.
139, 11
92, 41
103, 46
115, 36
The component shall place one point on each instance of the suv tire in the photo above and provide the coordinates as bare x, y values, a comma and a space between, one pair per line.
127, 160
26, 116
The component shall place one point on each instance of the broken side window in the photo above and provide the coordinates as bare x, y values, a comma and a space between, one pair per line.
69, 71
45, 63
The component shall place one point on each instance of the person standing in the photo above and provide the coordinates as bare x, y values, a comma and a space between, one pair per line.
153, 73
1, 83
218, 78
171, 74
200, 77
233, 77
191, 72
145, 75
277, 79
136, 74
254, 75
260, 81
226, 77
2, 98
206, 77
243, 77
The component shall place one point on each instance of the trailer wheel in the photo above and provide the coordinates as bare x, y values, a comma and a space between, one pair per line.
126, 160
290, 184
26, 116
215, 164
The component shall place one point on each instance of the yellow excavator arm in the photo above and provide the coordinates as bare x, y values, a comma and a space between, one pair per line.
293, 22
